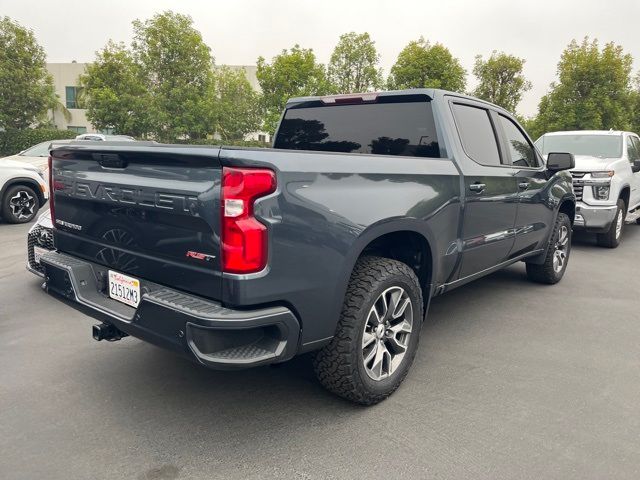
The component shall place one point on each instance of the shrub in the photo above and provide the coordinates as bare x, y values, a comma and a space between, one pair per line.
14, 141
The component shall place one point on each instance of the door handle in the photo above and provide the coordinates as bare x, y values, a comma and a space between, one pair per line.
477, 187
523, 185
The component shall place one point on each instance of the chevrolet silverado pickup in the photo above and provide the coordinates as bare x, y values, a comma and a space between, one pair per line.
606, 178
332, 242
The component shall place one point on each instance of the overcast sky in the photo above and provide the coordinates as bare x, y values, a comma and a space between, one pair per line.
238, 31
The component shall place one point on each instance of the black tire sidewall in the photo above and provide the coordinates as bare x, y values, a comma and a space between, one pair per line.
383, 386
12, 191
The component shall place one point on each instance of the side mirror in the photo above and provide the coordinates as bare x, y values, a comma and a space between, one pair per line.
635, 167
560, 161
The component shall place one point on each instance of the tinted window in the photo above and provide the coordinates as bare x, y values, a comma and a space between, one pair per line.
384, 128
632, 150
604, 146
476, 133
636, 142
522, 152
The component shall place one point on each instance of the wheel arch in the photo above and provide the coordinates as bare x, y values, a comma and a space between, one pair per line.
625, 196
382, 240
26, 182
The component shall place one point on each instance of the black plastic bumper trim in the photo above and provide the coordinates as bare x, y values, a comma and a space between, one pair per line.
201, 329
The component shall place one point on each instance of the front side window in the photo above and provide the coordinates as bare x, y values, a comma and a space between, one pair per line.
476, 133
390, 126
522, 152
636, 142
632, 149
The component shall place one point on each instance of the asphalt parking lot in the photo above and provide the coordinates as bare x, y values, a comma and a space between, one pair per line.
513, 380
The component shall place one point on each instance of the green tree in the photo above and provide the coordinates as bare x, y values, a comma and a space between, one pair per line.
501, 80
115, 92
178, 70
353, 66
635, 106
593, 90
422, 65
235, 104
292, 73
26, 87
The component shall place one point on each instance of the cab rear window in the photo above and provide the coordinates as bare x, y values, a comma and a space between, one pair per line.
391, 126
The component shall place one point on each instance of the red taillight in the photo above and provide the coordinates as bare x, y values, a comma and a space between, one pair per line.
244, 238
51, 206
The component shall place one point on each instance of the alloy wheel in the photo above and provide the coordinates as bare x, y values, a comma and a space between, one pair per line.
619, 223
22, 205
561, 249
386, 333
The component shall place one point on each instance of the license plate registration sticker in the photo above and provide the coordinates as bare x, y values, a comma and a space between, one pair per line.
123, 288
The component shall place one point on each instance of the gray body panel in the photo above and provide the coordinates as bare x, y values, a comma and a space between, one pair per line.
328, 207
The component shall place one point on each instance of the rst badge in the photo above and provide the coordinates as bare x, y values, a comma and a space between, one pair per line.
200, 256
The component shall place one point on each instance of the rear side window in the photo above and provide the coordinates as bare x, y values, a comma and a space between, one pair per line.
476, 133
386, 127
522, 152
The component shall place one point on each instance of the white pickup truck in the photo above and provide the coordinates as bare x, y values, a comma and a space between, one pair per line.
606, 178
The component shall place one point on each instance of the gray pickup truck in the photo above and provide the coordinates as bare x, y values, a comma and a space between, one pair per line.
334, 241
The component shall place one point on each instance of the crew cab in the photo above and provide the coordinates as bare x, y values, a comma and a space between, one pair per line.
334, 241
606, 178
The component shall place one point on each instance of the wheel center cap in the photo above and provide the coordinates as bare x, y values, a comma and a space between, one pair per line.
380, 331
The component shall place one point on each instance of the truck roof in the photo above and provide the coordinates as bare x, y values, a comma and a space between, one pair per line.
588, 132
432, 93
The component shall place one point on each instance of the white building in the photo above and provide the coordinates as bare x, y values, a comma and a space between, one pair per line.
66, 81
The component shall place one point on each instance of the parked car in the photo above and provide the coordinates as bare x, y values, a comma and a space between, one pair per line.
334, 241
99, 137
23, 190
606, 178
36, 155
39, 242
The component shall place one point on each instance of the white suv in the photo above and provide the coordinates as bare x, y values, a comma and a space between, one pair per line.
23, 190
606, 178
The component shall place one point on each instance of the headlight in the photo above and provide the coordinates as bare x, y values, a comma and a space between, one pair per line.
604, 174
601, 192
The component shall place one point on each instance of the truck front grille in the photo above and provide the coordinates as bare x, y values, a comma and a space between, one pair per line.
42, 237
578, 187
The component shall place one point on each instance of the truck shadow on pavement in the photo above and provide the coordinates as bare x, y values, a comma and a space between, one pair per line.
137, 386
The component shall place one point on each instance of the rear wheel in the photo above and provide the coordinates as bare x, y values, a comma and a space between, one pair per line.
611, 238
557, 256
377, 335
20, 204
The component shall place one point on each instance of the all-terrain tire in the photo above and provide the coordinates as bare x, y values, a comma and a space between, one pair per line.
548, 272
340, 365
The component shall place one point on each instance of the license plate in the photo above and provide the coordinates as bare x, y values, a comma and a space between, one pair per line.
123, 288
38, 252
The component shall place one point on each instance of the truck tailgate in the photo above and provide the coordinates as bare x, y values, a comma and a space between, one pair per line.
149, 211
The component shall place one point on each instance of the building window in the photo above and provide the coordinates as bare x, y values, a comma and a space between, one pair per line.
72, 96
78, 130
262, 138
